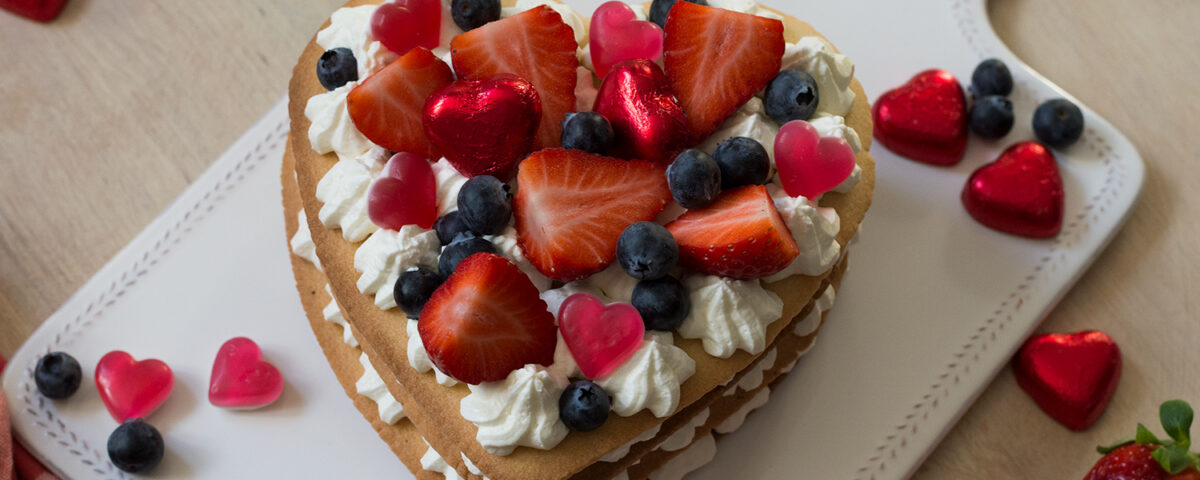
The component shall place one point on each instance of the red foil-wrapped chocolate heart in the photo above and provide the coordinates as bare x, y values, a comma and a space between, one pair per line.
484, 127
1070, 376
924, 119
647, 121
1020, 193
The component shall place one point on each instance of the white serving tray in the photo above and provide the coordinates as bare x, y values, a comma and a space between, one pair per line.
933, 307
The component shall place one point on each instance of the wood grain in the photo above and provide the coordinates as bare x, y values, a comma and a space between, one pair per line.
108, 113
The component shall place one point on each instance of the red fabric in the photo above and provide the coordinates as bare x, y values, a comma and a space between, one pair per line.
15, 462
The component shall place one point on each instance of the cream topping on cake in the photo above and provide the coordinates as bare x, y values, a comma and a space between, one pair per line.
697, 455
744, 6
449, 182
343, 194
623, 450
302, 242
432, 461
728, 315
506, 245
832, 71
735, 421
388, 253
684, 436
650, 378
419, 358
371, 385
521, 410
331, 129
334, 314
754, 378
815, 230
813, 320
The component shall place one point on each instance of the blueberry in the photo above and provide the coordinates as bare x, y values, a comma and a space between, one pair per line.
472, 14
461, 248
135, 446
743, 161
450, 226
1058, 123
792, 95
660, 8
485, 205
587, 131
991, 116
57, 375
414, 288
583, 406
663, 303
694, 179
337, 67
646, 250
991, 77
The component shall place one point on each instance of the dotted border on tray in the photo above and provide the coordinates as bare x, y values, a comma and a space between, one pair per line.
35, 404
1074, 229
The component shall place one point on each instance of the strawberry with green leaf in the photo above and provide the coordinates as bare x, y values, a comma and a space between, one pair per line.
1146, 457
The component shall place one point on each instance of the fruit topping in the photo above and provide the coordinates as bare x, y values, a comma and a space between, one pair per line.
717, 59
535, 45
386, 107
459, 249
991, 77
485, 205
646, 250
616, 34
484, 127
472, 14
600, 337
406, 194
241, 379
991, 116
583, 406
587, 131
57, 375
660, 8
450, 226
1020, 193
694, 178
925, 119
571, 207
135, 446
414, 288
486, 321
741, 235
1146, 457
1058, 123
337, 67
810, 165
743, 161
401, 25
663, 303
792, 95
647, 122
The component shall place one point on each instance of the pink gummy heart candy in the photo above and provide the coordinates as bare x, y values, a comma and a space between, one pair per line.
130, 388
809, 164
401, 25
599, 337
406, 194
617, 35
240, 377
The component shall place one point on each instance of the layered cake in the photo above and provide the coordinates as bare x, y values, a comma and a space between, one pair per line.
471, 281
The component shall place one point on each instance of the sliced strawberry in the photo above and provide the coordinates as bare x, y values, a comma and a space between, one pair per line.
535, 45
740, 235
387, 106
717, 59
485, 321
571, 206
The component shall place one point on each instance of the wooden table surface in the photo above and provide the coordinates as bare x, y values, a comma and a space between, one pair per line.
110, 112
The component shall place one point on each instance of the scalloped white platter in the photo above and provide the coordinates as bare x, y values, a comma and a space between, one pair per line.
933, 307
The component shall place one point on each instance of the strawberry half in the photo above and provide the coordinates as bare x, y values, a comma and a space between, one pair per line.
571, 206
387, 106
535, 45
740, 235
717, 59
485, 321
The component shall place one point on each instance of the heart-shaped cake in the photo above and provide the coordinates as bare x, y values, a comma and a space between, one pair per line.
439, 334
